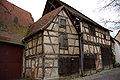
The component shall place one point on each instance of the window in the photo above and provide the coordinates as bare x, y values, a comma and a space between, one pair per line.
104, 36
92, 30
62, 22
63, 40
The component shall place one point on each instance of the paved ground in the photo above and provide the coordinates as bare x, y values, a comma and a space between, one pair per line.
113, 74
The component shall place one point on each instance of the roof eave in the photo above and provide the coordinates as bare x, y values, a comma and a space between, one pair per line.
21, 44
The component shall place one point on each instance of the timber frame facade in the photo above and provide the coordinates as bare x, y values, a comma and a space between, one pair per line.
65, 42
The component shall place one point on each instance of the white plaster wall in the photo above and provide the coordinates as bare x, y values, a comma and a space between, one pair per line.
117, 52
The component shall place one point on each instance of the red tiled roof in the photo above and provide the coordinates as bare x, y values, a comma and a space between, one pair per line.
46, 19
14, 22
25, 17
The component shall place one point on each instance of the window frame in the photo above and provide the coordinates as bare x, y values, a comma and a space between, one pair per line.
62, 24
92, 30
63, 40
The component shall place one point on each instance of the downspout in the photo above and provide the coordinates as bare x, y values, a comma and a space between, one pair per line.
80, 37
81, 49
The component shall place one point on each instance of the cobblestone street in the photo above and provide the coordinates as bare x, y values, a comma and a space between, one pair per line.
113, 74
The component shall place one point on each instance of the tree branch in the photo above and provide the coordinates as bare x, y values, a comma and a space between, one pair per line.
109, 4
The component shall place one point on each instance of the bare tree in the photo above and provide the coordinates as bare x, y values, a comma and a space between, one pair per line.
111, 5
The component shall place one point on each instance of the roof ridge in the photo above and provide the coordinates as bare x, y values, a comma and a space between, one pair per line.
15, 6
52, 11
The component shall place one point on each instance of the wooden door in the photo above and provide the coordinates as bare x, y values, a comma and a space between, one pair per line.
89, 62
106, 54
68, 66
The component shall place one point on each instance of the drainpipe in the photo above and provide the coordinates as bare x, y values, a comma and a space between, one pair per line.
80, 36
81, 49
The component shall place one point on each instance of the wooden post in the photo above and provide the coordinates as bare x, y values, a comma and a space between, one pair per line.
33, 74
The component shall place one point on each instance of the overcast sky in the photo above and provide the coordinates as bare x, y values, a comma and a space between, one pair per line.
87, 7
36, 7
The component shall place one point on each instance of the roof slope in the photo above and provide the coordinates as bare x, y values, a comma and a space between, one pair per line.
25, 17
14, 22
44, 21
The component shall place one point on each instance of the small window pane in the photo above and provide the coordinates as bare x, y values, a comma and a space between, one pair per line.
63, 41
92, 30
62, 23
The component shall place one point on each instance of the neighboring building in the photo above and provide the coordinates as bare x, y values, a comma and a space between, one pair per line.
65, 42
116, 47
14, 23
117, 37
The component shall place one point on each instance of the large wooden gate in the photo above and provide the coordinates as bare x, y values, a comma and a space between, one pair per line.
89, 62
106, 53
10, 61
68, 66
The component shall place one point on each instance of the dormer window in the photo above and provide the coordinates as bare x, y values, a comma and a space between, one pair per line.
62, 22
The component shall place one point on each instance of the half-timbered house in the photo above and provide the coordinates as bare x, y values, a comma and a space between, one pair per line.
65, 42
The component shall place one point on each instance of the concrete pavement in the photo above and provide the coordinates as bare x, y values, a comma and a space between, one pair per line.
112, 74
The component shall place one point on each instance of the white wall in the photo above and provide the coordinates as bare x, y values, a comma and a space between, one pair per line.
117, 52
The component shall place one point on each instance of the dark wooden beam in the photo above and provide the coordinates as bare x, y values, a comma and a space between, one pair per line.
43, 58
52, 5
